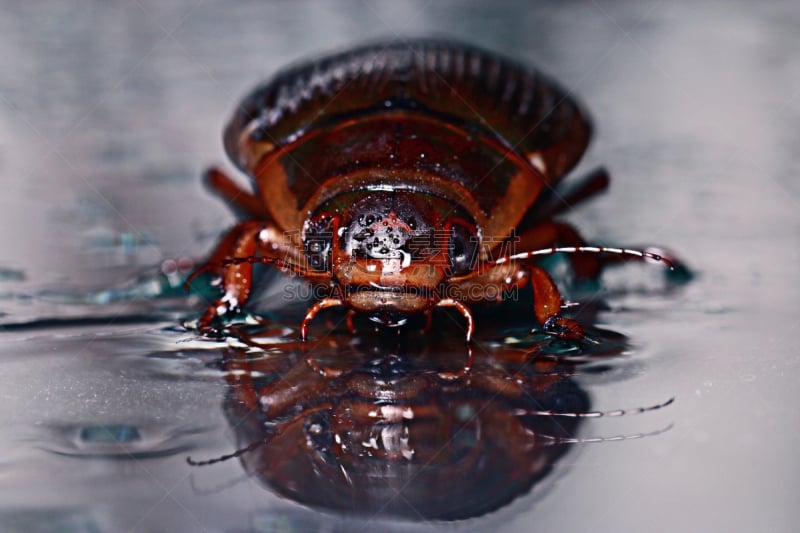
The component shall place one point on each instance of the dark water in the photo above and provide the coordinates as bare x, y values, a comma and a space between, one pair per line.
108, 114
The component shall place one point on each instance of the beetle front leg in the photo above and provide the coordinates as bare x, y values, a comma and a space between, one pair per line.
236, 280
547, 300
548, 303
245, 244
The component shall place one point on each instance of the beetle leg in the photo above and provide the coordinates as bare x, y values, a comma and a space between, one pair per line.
493, 283
564, 196
240, 241
312, 312
547, 298
240, 199
547, 304
465, 312
247, 243
569, 194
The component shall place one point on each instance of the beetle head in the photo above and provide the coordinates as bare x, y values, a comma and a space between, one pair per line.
390, 251
388, 227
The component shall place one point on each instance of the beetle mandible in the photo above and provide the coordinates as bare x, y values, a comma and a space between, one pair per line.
403, 176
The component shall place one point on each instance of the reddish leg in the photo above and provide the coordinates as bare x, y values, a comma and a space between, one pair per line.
465, 312
547, 304
490, 285
240, 241
570, 194
240, 199
312, 312
510, 270
247, 243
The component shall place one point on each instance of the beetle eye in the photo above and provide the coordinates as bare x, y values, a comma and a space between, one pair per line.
317, 240
462, 249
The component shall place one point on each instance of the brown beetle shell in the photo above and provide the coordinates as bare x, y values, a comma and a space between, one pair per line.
433, 116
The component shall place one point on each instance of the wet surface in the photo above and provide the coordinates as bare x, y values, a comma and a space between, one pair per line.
106, 122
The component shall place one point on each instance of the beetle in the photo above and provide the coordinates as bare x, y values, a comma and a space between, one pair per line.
403, 176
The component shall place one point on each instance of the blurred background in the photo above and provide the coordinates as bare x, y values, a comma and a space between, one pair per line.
109, 112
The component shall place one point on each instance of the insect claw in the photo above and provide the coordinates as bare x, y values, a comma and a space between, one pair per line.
210, 332
205, 325
564, 328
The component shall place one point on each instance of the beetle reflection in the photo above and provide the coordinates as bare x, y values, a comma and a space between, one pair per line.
364, 430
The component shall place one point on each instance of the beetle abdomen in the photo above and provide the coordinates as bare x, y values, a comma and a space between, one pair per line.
463, 85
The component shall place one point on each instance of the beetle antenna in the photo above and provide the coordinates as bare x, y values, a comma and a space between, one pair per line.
552, 440
219, 488
222, 458
641, 254
595, 414
250, 260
